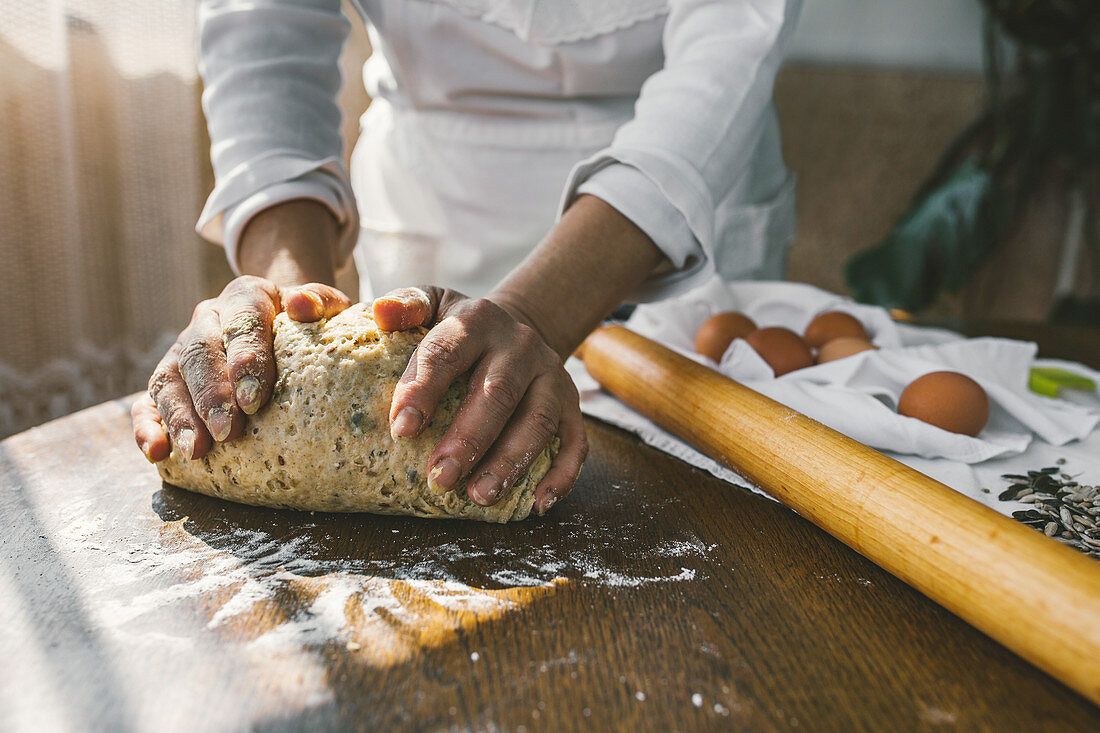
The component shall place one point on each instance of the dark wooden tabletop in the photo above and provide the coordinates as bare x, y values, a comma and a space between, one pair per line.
656, 598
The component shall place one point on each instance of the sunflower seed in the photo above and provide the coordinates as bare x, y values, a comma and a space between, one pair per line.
1060, 507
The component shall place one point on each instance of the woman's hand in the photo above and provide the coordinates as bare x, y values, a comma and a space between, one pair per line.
519, 395
222, 366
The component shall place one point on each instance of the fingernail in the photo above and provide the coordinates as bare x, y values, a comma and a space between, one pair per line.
486, 490
550, 502
407, 423
220, 423
248, 394
185, 442
444, 475
145, 452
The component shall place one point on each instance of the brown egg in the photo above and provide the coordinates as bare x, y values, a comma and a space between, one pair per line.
948, 400
833, 325
842, 348
718, 332
782, 348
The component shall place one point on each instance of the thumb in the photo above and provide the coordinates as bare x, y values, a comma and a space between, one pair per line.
405, 308
314, 301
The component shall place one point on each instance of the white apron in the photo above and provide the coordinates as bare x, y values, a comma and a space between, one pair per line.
491, 116
477, 122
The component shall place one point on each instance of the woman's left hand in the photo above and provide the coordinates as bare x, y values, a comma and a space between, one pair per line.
519, 397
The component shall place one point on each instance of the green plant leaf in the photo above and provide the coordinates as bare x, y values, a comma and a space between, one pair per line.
937, 243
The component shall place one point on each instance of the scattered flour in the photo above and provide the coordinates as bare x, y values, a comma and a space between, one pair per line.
281, 589
236, 570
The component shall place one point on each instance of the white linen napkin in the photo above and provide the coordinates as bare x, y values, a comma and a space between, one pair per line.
857, 395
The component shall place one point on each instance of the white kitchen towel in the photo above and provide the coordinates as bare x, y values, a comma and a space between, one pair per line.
858, 395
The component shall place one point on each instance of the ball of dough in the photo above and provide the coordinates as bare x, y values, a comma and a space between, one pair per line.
323, 443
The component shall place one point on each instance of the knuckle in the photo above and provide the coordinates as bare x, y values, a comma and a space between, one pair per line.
140, 413
247, 349
528, 341
552, 358
526, 336
259, 293
470, 452
196, 354
502, 394
246, 283
466, 447
243, 325
512, 467
207, 395
177, 417
438, 351
544, 422
250, 281
201, 308
253, 360
162, 376
481, 308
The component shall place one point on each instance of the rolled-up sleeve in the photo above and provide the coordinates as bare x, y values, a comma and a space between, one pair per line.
271, 77
695, 128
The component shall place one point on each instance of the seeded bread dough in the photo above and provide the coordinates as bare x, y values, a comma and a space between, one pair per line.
323, 444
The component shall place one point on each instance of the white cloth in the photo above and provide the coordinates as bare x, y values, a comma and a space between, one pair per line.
857, 395
490, 115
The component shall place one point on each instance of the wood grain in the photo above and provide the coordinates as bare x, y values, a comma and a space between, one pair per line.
126, 605
983, 566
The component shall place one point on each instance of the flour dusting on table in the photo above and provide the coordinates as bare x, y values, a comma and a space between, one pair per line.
199, 584
241, 575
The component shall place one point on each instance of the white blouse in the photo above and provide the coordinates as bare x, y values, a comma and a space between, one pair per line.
490, 116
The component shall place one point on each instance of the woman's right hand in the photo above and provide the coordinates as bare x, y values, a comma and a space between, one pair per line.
222, 366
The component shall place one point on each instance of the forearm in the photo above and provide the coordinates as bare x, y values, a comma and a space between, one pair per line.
588, 263
290, 244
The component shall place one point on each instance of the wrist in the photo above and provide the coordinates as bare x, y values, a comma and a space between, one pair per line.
592, 259
291, 243
526, 313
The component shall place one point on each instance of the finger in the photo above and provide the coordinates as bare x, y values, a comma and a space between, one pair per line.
247, 311
495, 391
404, 308
530, 430
446, 352
563, 473
177, 413
148, 429
202, 363
312, 302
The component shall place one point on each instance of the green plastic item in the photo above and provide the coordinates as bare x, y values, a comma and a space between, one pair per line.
1047, 381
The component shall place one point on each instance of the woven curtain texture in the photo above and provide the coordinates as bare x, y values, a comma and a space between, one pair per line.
104, 166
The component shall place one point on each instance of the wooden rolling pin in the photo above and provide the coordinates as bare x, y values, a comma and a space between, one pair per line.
1030, 593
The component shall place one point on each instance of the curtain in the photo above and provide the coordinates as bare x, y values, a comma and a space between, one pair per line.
104, 167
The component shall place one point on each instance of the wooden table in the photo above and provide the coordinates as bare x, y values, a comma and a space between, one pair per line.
656, 598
